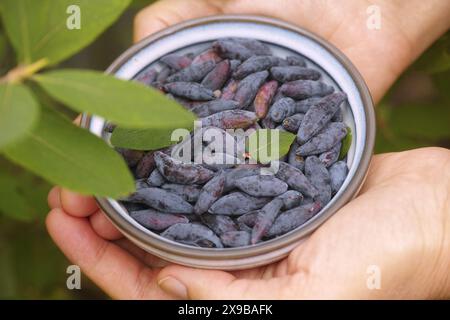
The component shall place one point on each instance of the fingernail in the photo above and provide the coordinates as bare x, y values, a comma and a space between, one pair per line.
173, 287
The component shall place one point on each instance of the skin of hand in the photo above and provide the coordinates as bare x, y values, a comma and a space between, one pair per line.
407, 27
399, 222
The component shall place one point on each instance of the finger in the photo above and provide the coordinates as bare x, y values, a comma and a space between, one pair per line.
189, 283
53, 198
76, 204
114, 270
103, 227
162, 14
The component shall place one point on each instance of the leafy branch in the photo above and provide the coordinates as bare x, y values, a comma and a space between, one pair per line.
40, 138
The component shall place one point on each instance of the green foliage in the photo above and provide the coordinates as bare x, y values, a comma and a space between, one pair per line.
142, 139
13, 200
8, 285
412, 125
442, 84
139, 4
264, 145
31, 267
6, 57
65, 154
421, 121
37, 29
3, 47
19, 112
19, 183
123, 102
50, 146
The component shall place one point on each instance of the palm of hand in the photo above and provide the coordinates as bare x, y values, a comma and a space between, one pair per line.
390, 225
398, 221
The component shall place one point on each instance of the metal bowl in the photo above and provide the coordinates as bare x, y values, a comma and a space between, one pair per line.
283, 38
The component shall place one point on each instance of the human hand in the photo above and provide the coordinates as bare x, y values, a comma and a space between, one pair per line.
333, 261
400, 223
407, 27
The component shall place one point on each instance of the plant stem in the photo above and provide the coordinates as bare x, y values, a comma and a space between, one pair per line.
23, 72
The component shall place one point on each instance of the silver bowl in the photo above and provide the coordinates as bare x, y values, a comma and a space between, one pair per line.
283, 38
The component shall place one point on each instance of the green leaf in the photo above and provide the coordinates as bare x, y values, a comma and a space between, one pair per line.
125, 103
69, 156
266, 145
346, 143
143, 139
18, 112
39, 29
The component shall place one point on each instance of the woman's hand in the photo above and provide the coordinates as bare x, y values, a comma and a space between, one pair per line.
407, 27
399, 223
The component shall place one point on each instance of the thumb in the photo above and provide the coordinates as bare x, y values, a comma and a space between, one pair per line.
190, 283
165, 13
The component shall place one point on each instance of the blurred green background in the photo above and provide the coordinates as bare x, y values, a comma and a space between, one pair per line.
415, 113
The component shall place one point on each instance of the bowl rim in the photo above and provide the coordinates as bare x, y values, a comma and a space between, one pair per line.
288, 240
